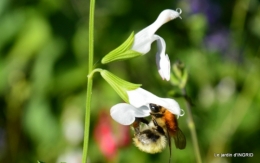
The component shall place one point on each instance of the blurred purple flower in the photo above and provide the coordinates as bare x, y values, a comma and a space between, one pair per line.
218, 38
218, 41
211, 10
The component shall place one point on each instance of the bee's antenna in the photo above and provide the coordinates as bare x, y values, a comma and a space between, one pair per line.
170, 145
96, 62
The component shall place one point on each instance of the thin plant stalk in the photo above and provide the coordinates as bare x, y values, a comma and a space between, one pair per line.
192, 127
90, 81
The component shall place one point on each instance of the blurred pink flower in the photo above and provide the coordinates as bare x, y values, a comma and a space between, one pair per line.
107, 139
123, 135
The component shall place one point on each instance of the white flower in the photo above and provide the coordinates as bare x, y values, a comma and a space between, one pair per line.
144, 39
139, 100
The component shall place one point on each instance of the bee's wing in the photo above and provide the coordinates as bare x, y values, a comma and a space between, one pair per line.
179, 139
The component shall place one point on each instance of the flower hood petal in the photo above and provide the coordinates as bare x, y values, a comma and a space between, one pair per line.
125, 114
144, 38
140, 97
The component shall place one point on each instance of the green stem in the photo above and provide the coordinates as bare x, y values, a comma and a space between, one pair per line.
90, 74
192, 127
90, 81
238, 20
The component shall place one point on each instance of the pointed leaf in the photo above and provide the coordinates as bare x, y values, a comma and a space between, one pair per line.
119, 52
118, 84
177, 71
184, 78
126, 55
40, 161
174, 80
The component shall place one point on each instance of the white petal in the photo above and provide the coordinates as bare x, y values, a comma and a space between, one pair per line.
142, 43
164, 67
125, 114
144, 38
140, 97
162, 59
172, 106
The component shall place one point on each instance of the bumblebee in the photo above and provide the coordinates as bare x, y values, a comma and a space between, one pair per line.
152, 137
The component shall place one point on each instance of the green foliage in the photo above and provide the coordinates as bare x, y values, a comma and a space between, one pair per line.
43, 76
179, 77
40, 162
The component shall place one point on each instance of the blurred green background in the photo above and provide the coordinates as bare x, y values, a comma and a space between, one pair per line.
43, 76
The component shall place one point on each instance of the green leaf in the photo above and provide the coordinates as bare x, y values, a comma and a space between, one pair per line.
184, 79
122, 52
177, 70
174, 80
40, 161
179, 76
126, 55
119, 85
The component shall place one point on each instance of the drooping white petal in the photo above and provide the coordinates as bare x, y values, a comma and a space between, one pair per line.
144, 38
162, 59
125, 114
164, 67
140, 97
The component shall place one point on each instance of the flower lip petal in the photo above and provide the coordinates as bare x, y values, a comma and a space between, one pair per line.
142, 111
165, 68
125, 114
162, 59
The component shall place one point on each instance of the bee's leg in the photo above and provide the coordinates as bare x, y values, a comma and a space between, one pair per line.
157, 115
155, 123
142, 120
158, 128
170, 145
136, 124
